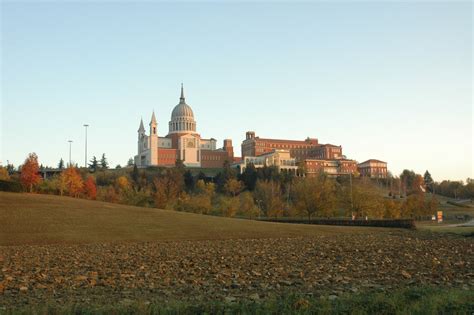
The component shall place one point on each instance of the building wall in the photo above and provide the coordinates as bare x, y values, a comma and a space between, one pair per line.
214, 158
167, 157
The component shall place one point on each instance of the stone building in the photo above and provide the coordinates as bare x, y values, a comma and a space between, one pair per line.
181, 143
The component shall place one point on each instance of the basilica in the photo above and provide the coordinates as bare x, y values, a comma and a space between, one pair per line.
302, 157
181, 143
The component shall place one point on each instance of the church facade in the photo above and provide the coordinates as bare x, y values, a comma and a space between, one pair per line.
181, 143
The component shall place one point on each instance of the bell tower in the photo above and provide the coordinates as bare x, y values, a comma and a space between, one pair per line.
141, 136
153, 142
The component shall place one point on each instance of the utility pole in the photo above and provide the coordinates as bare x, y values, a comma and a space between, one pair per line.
70, 144
85, 158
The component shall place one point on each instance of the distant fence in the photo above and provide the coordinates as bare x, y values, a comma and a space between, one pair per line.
459, 204
399, 223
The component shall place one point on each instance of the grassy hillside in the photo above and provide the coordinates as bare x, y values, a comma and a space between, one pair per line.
46, 219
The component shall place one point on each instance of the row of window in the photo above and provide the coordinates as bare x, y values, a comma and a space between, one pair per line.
283, 146
211, 158
182, 126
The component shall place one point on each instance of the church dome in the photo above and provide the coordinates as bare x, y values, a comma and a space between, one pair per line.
182, 110
182, 117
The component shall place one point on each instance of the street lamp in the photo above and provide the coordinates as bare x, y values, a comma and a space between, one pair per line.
85, 158
70, 144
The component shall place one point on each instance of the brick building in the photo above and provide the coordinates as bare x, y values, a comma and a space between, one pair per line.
332, 167
373, 168
299, 149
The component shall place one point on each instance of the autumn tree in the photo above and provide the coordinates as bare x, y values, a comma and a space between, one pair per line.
414, 206
73, 181
392, 209
364, 199
122, 183
223, 177
205, 188
90, 189
29, 176
315, 196
431, 205
168, 187
269, 198
418, 184
233, 186
247, 205
228, 206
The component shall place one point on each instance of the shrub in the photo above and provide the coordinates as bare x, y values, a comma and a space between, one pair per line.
9, 185
4, 173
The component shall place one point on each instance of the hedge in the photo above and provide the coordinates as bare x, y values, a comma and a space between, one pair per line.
11, 186
396, 223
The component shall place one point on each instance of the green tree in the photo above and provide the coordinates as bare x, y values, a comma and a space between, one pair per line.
130, 162
428, 181
135, 174
61, 164
408, 181
222, 177
249, 177
189, 181
104, 164
93, 164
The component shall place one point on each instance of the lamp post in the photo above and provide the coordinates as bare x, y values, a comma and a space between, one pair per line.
352, 198
85, 158
70, 145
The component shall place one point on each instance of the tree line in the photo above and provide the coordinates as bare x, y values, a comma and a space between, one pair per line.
263, 192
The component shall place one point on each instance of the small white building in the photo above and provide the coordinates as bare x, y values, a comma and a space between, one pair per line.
279, 158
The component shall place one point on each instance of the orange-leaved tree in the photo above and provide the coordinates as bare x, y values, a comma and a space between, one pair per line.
30, 176
73, 180
90, 189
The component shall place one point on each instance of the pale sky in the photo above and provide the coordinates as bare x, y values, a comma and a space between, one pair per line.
391, 80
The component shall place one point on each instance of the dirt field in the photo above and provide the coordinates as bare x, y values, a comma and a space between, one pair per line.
66, 250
